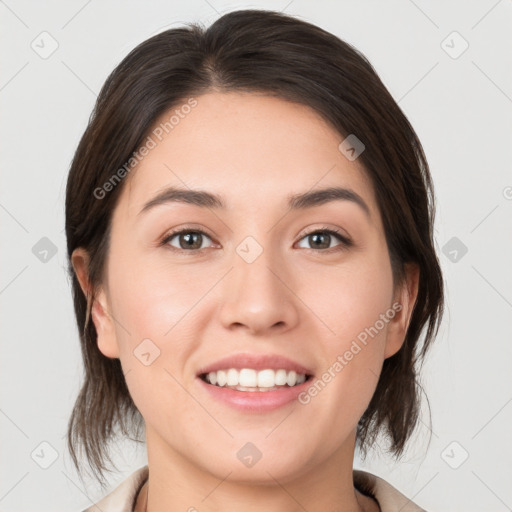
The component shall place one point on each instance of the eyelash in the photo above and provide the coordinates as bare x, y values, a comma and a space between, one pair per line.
345, 242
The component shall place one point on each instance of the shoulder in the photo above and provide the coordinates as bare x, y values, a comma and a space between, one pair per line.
122, 498
389, 498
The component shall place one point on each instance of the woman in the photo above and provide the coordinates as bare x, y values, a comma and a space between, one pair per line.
249, 222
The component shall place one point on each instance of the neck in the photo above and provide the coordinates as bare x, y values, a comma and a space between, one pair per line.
175, 483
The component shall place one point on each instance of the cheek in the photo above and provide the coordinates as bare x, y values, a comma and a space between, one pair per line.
150, 298
157, 329
350, 299
355, 303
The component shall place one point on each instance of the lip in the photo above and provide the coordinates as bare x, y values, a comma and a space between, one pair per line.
256, 362
254, 401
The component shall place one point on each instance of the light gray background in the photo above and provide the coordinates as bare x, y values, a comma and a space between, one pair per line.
461, 109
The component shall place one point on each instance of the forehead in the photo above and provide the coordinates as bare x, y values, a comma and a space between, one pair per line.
248, 146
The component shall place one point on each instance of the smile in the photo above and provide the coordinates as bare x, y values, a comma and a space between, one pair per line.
249, 379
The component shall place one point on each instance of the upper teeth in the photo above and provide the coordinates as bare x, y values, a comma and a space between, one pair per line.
247, 377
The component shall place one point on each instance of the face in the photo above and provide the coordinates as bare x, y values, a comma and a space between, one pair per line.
266, 273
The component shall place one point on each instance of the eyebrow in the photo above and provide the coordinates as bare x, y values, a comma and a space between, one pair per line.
301, 201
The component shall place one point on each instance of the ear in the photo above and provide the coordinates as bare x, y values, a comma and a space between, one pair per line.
103, 321
403, 303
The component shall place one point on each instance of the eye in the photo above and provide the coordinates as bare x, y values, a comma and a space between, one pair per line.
194, 240
322, 238
186, 239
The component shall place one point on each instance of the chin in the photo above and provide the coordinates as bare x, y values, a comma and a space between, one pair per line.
259, 461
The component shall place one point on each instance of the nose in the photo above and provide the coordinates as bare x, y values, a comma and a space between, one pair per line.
258, 297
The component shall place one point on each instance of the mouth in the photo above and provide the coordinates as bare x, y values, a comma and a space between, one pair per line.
252, 380
255, 372
255, 383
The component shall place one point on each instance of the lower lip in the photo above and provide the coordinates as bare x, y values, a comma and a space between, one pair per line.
255, 401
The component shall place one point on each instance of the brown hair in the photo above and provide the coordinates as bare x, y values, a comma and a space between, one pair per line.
252, 51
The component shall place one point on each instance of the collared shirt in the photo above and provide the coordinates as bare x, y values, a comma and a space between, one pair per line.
124, 496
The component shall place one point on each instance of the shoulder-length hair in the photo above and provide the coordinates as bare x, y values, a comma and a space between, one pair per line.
251, 51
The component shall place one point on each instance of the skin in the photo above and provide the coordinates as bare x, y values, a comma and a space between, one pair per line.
295, 300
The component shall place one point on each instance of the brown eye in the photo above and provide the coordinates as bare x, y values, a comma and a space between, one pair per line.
322, 240
186, 240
